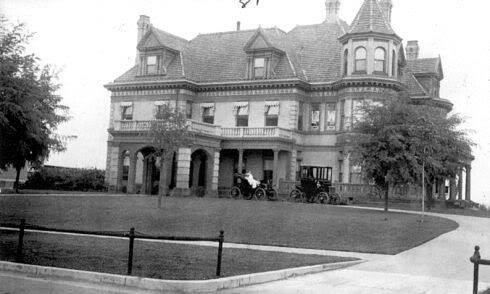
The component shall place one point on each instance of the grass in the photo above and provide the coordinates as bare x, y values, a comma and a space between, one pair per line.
153, 260
249, 222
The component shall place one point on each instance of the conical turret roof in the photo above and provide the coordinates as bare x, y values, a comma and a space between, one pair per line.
370, 19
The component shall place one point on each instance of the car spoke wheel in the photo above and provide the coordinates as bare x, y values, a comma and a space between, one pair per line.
235, 192
259, 193
296, 195
322, 198
272, 194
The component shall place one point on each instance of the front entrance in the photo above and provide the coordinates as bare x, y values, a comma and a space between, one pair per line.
197, 176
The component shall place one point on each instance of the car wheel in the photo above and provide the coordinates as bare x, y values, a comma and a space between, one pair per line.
259, 193
235, 192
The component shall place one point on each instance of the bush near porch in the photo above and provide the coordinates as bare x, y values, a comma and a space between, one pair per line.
66, 179
249, 222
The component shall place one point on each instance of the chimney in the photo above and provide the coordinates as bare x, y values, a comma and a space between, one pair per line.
238, 26
332, 7
412, 50
386, 6
144, 26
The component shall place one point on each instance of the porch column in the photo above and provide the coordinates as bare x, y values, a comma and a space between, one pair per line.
183, 170
132, 173
240, 161
119, 172
144, 183
468, 183
452, 188
164, 169
212, 173
293, 162
460, 184
346, 169
275, 172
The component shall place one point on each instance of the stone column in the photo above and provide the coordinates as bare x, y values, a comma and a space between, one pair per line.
240, 161
165, 164
460, 184
183, 171
468, 184
212, 174
452, 189
119, 171
132, 173
275, 168
293, 162
144, 182
346, 170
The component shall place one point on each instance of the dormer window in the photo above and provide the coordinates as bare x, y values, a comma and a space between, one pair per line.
361, 61
259, 67
151, 65
380, 60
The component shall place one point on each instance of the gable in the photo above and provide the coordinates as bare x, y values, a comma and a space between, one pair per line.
259, 43
151, 41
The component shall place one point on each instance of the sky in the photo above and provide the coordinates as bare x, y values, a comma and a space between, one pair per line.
92, 42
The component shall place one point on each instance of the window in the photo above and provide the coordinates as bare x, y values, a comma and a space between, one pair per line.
271, 113
125, 166
355, 176
346, 61
393, 64
315, 116
259, 67
341, 174
162, 108
188, 109
159, 111
380, 60
357, 112
241, 112
361, 56
300, 116
342, 115
208, 113
151, 65
330, 117
127, 111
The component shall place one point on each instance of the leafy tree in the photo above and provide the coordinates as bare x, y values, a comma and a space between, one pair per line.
396, 139
30, 111
167, 133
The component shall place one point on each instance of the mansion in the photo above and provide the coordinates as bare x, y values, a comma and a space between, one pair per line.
264, 100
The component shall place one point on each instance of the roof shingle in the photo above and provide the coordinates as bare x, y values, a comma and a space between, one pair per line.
370, 18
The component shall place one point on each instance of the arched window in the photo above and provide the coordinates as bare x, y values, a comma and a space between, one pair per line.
346, 61
380, 60
393, 64
360, 55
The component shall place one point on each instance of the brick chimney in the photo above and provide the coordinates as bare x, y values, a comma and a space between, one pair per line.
238, 25
333, 7
413, 50
144, 26
386, 6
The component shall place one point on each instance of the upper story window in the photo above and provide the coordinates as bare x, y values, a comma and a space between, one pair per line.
259, 67
208, 113
300, 116
315, 116
361, 59
241, 114
188, 109
330, 118
346, 61
342, 115
380, 60
271, 113
393, 64
151, 65
127, 111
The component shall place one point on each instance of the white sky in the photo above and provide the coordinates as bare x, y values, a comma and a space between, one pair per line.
93, 41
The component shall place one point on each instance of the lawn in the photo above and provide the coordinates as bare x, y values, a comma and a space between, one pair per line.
249, 222
153, 260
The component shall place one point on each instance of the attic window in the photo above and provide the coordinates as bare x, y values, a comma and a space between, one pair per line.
259, 67
151, 65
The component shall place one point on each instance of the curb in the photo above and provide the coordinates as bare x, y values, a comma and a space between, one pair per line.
171, 285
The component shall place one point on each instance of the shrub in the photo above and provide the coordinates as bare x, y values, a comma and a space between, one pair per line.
68, 179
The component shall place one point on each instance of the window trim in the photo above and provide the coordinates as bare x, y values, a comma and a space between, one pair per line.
356, 60
263, 67
376, 60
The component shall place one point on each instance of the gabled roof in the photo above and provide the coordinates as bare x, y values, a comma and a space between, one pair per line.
164, 39
262, 40
426, 66
415, 89
370, 19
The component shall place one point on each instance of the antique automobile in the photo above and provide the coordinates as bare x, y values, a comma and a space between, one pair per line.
316, 186
244, 189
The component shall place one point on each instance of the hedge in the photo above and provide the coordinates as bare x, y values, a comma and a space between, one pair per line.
67, 179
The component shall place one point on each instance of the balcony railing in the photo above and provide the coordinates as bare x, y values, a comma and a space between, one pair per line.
210, 129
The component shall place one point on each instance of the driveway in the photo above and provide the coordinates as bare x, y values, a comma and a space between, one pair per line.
438, 266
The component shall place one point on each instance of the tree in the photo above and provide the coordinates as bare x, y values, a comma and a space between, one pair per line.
30, 111
396, 139
167, 133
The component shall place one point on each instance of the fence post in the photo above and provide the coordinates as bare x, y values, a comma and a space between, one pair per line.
475, 259
221, 239
130, 254
19, 257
